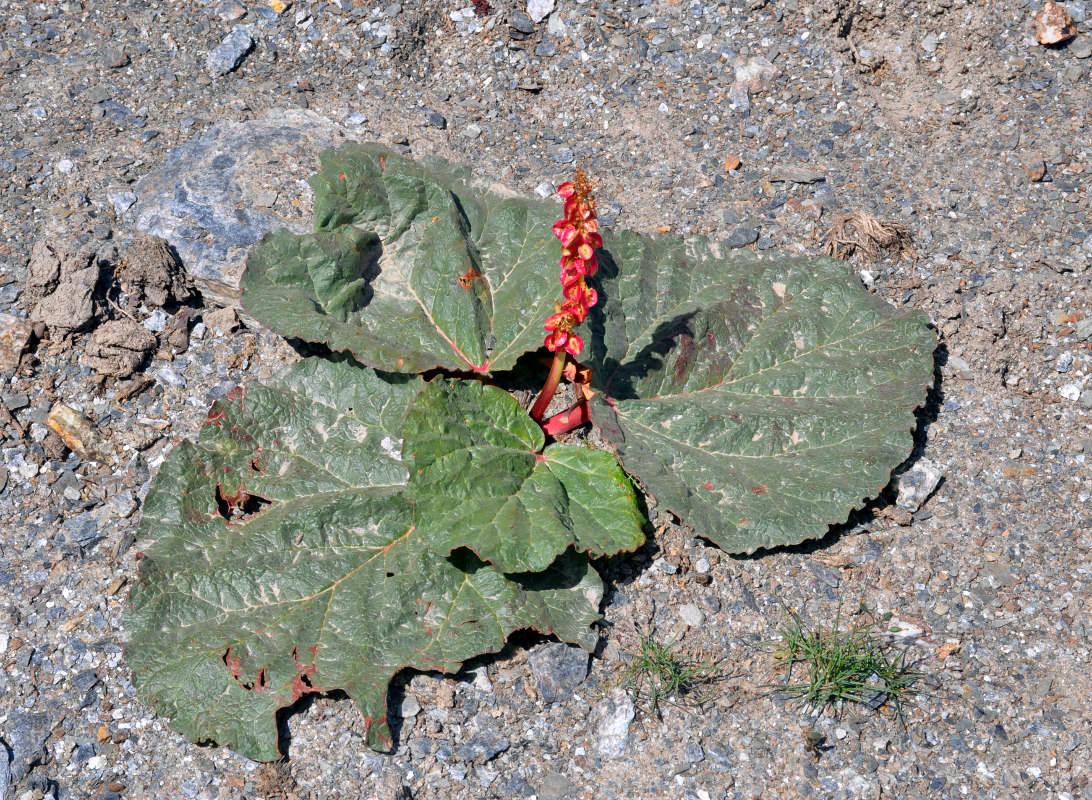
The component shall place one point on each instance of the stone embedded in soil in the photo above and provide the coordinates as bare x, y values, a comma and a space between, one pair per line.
916, 484
555, 786
27, 733
484, 747
151, 274
558, 669
77, 432
752, 75
203, 200
223, 320
15, 334
612, 717
1053, 24
5, 770
1035, 170
793, 174
119, 348
121, 200
538, 10
231, 52
741, 237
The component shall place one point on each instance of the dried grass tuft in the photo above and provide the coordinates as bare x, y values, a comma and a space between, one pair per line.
860, 232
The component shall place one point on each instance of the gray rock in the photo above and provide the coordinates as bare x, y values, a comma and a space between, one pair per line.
122, 201
171, 378
555, 786
1081, 47
85, 680
203, 200
916, 484
960, 367
482, 748
27, 733
612, 717
1084, 330
13, 401
436, 119
741, 237
83, 530
791, 174
521, 22
114, 57
5, 770
664, 566
231, 51
558, 668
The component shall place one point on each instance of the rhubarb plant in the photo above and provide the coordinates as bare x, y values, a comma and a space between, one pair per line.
394, 505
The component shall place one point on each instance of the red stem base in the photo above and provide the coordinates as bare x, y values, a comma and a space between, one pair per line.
569, 420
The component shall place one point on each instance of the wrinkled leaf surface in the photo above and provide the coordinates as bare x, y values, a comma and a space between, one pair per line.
413, 265
319, 581
760, 397
480, 479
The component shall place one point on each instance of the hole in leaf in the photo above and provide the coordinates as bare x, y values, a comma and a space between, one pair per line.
232, 663
258, 684
239, 506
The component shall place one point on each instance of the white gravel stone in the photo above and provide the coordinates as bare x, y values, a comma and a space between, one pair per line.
156, 322
916, 484
538, 10
1071, 391
691, 615
612, 716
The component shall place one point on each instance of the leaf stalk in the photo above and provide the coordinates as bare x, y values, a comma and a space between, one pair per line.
550, 387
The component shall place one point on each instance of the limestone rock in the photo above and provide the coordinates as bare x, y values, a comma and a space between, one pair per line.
218, 195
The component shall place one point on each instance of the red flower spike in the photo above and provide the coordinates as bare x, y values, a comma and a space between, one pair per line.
579, 235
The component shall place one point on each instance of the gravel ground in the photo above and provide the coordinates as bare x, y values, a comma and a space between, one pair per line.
757, 123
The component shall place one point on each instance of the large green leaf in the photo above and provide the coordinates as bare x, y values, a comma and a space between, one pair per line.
281, 558
758, 396
413, 265
480, 479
